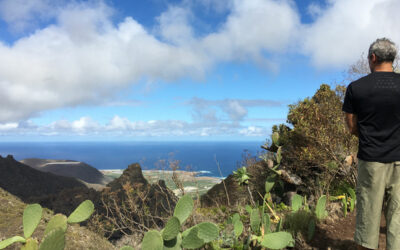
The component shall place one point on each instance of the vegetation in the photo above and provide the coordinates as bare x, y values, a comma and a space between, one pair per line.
54, 234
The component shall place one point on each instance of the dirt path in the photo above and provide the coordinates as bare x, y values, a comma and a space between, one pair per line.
339, 235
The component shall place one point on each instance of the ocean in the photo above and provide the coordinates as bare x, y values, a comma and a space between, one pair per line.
193, 156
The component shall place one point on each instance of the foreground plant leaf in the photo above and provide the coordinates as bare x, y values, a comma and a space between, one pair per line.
5, 243
31, 218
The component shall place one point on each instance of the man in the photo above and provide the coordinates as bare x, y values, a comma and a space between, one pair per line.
372, 112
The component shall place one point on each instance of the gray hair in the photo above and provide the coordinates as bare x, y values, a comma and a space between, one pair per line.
384, 49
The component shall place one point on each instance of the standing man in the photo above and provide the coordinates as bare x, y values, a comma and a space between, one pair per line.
372, 112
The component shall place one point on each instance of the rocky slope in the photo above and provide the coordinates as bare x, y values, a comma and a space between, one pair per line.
76, 169
77, 237
26, 182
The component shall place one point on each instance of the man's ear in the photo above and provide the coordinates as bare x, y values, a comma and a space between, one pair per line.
373, 58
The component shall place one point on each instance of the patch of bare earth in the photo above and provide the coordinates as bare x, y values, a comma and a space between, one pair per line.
338, 234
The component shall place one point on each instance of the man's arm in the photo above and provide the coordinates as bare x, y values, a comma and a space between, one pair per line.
351, 121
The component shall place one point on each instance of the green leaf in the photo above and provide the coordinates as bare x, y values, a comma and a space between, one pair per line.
207, 231
184, 208
82, 212
55, 240
275, 138
152, 240
255, 221
31, 244
344, 203
238, 228
269, 183
31, 219
249, 209
353, 198
57, 221
174, 244
279, 155
279, 226
5, 243
311, 230
267, 223
297, 202
320, 210
171, 229
192, 241
277, 240
126, 248
235, 218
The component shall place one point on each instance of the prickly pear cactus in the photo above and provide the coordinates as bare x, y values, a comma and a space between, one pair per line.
12, 240
152, 240
191, 240
30, 244
55, 240
174, 244
126, 248
275, 138
297, 202
320, 210
255, 221
277, 240
31, 218
82, 212
57, 221
207, 231
184, 208
171, 229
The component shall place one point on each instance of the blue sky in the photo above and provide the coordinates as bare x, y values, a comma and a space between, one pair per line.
174, 70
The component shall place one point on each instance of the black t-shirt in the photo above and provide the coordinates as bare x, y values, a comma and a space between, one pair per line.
375, 99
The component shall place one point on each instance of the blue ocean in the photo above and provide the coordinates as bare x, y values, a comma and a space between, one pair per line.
193, 156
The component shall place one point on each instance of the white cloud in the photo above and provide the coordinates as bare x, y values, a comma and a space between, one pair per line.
85, 58
235, 109
174, 25
346, 28
23, 14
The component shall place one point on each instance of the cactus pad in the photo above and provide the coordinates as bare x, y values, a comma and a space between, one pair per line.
82, 212
171, 229
31, 218
55, 240
277, 240
152, 240
320, 210
30, 244
57, 221
183, 208
297, 202
255, 221
12, 240
174, 244
207, 231
191, 240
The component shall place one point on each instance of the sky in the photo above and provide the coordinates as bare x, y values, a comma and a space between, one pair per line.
171, 70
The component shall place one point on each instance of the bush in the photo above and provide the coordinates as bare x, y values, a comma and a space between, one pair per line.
315, 142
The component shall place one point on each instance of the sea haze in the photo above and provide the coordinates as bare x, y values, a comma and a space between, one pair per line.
195, 156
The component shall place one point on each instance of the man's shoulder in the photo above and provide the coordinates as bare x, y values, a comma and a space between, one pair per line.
363, 79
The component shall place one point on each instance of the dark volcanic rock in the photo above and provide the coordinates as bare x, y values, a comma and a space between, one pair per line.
132, 175
130, 199
79, 170
26, 182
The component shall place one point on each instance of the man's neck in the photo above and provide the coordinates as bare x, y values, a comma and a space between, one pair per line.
383, 67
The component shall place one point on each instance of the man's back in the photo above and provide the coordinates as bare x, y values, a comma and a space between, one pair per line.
375, 99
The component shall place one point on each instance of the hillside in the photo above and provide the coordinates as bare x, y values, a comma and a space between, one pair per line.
77, 237
26, 182
75, 169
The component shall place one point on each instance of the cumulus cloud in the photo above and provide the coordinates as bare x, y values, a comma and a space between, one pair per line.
122, 126
22, 14
234, 109
82, 57
346, 28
